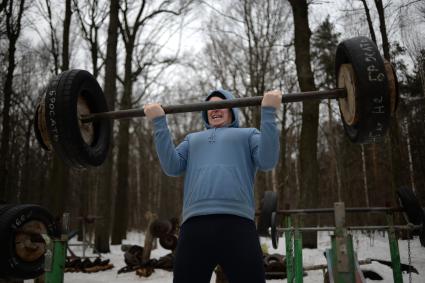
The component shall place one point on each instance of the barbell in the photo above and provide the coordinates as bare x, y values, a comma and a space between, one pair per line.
72, 118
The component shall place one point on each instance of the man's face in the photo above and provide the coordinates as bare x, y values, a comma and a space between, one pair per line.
219, 117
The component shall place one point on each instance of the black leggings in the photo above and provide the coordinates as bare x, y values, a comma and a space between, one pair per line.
226, 240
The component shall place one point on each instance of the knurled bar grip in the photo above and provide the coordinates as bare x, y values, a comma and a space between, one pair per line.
237, 102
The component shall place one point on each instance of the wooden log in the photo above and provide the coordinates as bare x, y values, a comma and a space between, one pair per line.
150, 217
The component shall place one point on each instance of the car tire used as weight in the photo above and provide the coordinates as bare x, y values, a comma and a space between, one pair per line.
367, 113
12, 219
62, 101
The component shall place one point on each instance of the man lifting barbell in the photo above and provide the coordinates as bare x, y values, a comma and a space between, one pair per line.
72, 116
219, 165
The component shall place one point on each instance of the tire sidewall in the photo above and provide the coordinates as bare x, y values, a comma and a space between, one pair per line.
371, 89
62, 120
10, 221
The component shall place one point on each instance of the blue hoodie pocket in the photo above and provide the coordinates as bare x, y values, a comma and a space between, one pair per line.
215, 182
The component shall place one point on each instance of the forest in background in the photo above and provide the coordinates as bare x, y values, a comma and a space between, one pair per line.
142, 51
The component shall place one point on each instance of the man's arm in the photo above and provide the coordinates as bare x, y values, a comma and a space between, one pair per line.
173, 159
265, 143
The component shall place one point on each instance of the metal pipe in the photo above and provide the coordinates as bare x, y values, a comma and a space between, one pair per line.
208, 105
360, 228
323, 266
331, 210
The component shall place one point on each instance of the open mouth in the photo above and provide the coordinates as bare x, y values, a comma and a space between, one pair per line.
216, 116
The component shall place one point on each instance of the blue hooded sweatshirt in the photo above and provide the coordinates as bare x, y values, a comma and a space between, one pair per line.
219, 163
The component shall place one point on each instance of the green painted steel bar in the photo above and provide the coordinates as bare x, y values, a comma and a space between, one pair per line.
346, 274
339, 274
57, 250
394, 250
342, 248
352, 259
334, 257
330, 265
56, 273
298, 247
289, 244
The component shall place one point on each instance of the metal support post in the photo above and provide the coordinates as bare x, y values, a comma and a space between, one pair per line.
289, 241
342, 249
55, 266
56, 273
394, 250
298, 247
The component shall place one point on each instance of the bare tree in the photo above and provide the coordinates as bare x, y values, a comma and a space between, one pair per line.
104, 190
3, 5
65, 36
135, 51
14, 11
309, 166
58, 183
369, 20
396, 148
91, 16
45, 10
383, 28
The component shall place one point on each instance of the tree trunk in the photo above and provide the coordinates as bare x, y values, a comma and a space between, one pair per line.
409, 152
104, 192
149, 239
121, 198
57, 187
383, 29
310, 117
394, 133
26, 174
54, 41
58, 184
365, 182
65, 36
369, 21
335, 151
13, 30
83, 197
397, 161
7, 90
88, 191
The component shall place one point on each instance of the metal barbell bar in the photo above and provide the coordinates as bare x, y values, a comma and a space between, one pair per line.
208, 105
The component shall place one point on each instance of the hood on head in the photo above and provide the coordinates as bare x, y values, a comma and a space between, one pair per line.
225, 95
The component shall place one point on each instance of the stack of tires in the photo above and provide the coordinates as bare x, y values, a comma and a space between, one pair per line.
21, 241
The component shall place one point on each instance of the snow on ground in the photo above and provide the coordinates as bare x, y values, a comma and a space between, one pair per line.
376, 247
